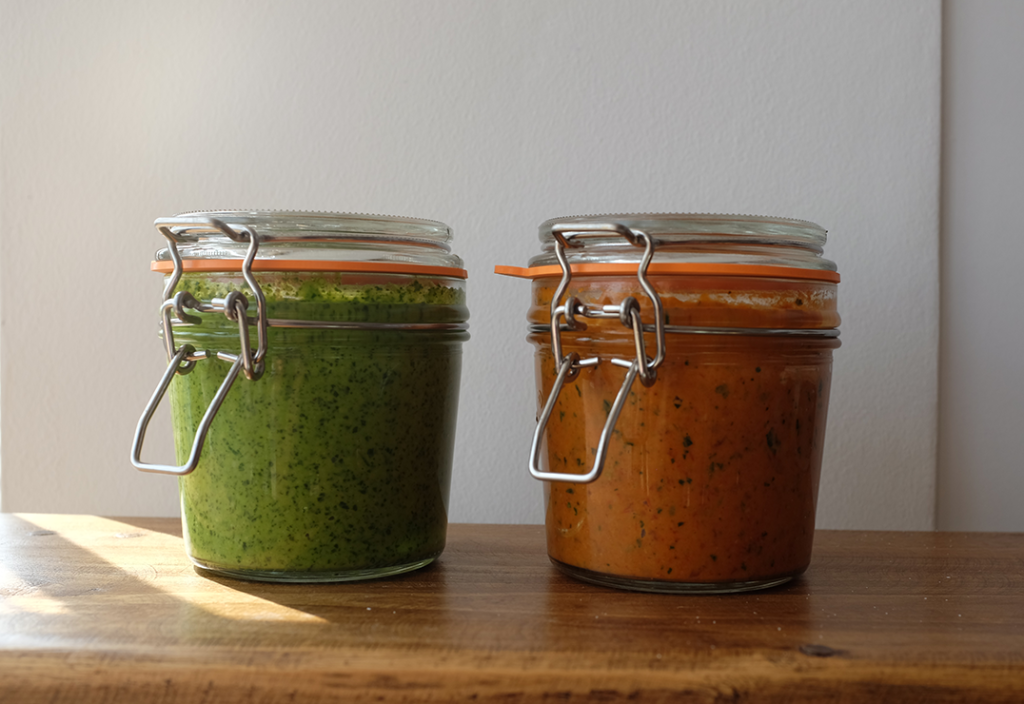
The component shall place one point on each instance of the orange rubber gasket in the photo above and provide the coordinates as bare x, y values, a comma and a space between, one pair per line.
655, 268
233, 265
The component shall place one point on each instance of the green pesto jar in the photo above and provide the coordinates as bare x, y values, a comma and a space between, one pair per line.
314, 381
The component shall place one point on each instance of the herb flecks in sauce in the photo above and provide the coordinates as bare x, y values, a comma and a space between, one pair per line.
338, 459
720, 469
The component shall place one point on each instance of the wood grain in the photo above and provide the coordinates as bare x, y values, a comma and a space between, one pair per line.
109, 610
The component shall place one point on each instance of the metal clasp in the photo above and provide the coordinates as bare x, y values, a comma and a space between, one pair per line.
183, 360
569, 366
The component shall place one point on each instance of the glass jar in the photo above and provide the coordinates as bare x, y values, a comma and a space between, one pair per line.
683, 370
330, 459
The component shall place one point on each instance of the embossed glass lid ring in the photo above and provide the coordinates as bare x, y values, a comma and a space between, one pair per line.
694, 242
296, 241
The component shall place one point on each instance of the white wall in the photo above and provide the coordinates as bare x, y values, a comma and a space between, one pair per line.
491, 117
981, 431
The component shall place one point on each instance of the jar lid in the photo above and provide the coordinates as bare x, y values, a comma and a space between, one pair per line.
704, 244
307, 241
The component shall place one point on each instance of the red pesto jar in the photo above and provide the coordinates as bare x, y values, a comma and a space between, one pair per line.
683, 370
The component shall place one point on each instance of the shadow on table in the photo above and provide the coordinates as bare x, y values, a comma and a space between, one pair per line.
483, 599
475, 596
167, 526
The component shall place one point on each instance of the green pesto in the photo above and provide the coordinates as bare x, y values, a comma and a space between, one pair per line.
337, 462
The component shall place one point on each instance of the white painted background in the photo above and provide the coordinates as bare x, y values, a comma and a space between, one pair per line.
491, 117
981, 428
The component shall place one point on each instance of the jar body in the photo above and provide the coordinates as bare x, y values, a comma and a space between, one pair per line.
711, 474
335, 464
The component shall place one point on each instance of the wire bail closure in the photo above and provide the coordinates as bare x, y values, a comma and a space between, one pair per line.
183, 360
569, 366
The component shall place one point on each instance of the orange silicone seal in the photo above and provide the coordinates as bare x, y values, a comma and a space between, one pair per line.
655, 268
232, 265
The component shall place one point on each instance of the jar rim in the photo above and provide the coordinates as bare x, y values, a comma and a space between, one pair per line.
711, 225
290, 225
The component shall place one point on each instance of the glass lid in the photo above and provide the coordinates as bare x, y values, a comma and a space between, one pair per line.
291, 239
689, 240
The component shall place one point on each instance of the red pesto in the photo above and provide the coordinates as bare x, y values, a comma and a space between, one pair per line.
712, 472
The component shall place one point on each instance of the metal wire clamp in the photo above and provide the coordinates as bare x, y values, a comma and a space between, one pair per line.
569, 366
183, 360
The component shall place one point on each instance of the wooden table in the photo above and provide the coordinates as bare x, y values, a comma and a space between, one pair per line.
103, 610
